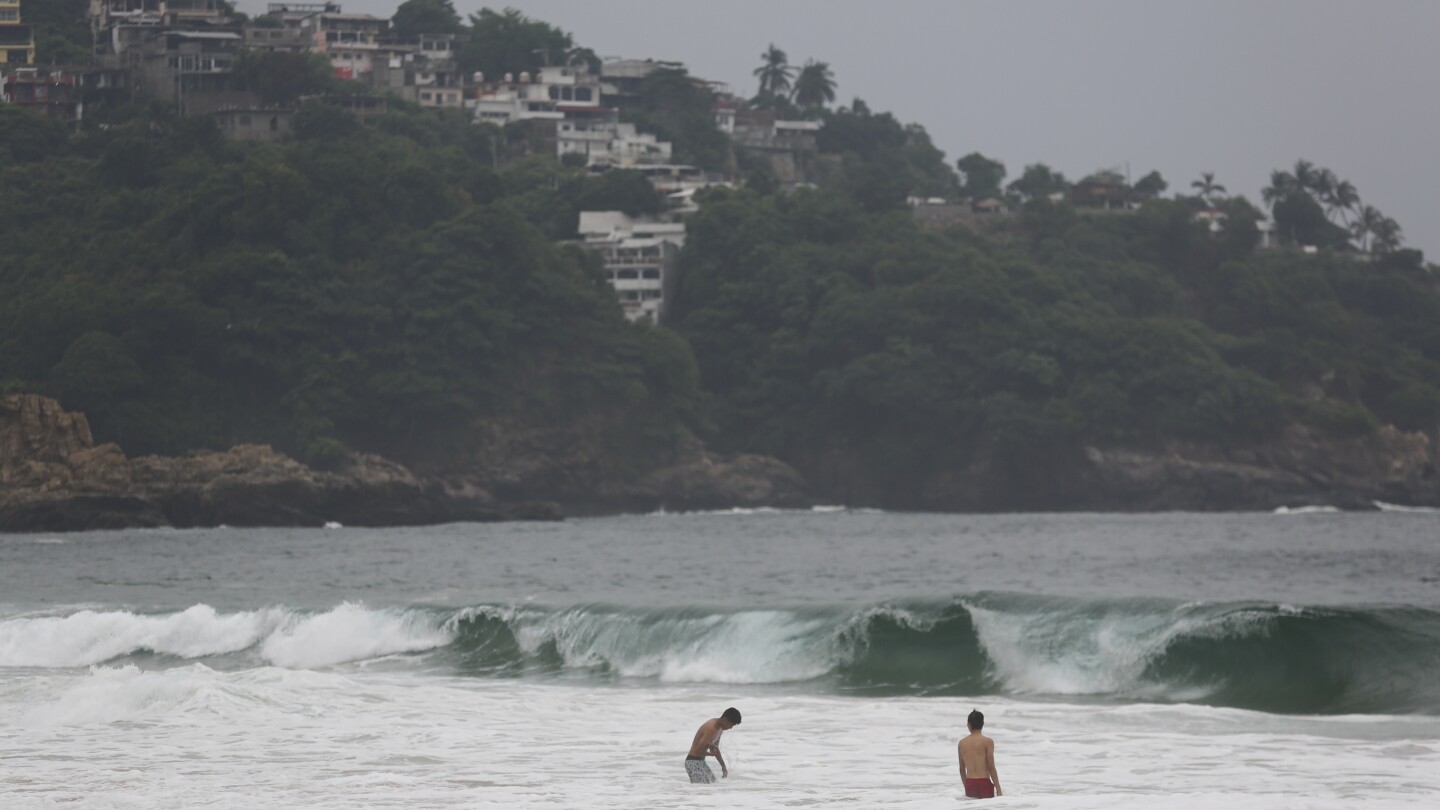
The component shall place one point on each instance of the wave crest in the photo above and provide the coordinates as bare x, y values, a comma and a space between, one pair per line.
1251, 655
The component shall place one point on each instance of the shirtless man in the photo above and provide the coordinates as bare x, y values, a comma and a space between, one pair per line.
977, 761
707, 743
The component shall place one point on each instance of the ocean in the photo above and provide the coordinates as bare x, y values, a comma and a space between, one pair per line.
1145, 661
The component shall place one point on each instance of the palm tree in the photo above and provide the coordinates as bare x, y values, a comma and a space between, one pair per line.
1387, 236
1343, 198
1305, 174
1323, 185
1208, 187
1282, 185
815, 86
1367, 220
775, 73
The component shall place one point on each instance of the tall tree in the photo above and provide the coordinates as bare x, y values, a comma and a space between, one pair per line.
1038, 181
1208, 187
983, 176
1387, 236
1282, 185
1367, 220
1151, 185
775, 74
1305, 175
415, 17
509, 42
1343, 199
815, 86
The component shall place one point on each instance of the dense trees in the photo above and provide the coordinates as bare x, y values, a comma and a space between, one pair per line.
415, 17
379, 288
1307, 203
507, 41
675, 107
839, 339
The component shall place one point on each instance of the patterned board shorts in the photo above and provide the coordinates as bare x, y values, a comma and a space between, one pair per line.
700, 773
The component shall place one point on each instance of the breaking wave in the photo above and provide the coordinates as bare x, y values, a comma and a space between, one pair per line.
1268, 657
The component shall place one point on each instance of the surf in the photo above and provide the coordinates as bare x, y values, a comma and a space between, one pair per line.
1252, 655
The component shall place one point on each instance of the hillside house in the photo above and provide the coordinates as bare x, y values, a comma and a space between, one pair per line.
639, 256
51, 93
1106, 191
255, 123
17, 40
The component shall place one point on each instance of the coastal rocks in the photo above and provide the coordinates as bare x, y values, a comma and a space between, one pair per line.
583, 468
714, 482
1299, 469
53, 478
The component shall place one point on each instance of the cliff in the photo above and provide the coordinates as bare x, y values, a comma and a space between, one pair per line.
53, 477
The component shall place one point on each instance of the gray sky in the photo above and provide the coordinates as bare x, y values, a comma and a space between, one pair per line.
1237, 87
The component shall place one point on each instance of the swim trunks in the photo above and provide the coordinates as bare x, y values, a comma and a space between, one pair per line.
700, 773
979, 788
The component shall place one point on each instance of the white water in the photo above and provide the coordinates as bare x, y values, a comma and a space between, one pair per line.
349, 632
118, 737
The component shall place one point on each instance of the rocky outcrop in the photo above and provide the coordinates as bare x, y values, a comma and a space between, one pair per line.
720, 482
572, 465
54, 478
1299, 469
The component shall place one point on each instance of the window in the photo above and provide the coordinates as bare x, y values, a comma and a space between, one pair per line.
582, 94
653, 275
424, 96
9, 15
244, 120
629, 275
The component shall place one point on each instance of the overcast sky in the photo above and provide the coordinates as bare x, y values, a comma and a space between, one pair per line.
1237, 87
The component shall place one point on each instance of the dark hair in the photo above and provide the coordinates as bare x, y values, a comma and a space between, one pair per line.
732, 714
976, 720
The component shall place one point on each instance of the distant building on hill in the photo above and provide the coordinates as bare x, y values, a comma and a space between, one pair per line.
1106, 191
255, 123
639, 255
52, 93
17, 40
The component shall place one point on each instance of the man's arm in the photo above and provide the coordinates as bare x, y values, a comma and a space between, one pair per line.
715, 752
960, 752
990, 764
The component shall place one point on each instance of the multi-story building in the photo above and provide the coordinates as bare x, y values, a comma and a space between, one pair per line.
425, 73
17, 40
52, 93
639, 255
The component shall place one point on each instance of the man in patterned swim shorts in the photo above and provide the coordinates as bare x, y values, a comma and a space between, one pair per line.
707, 743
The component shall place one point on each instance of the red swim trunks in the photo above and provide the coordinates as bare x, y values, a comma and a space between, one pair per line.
979, 788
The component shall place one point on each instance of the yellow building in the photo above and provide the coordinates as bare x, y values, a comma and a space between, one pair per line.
17, 41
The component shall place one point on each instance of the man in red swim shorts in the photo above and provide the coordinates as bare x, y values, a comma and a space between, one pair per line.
977, 761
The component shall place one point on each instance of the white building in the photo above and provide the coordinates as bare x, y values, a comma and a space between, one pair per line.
639, 255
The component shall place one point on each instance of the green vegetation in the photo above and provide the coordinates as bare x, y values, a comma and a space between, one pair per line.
62, 32
832, 336
377, 287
